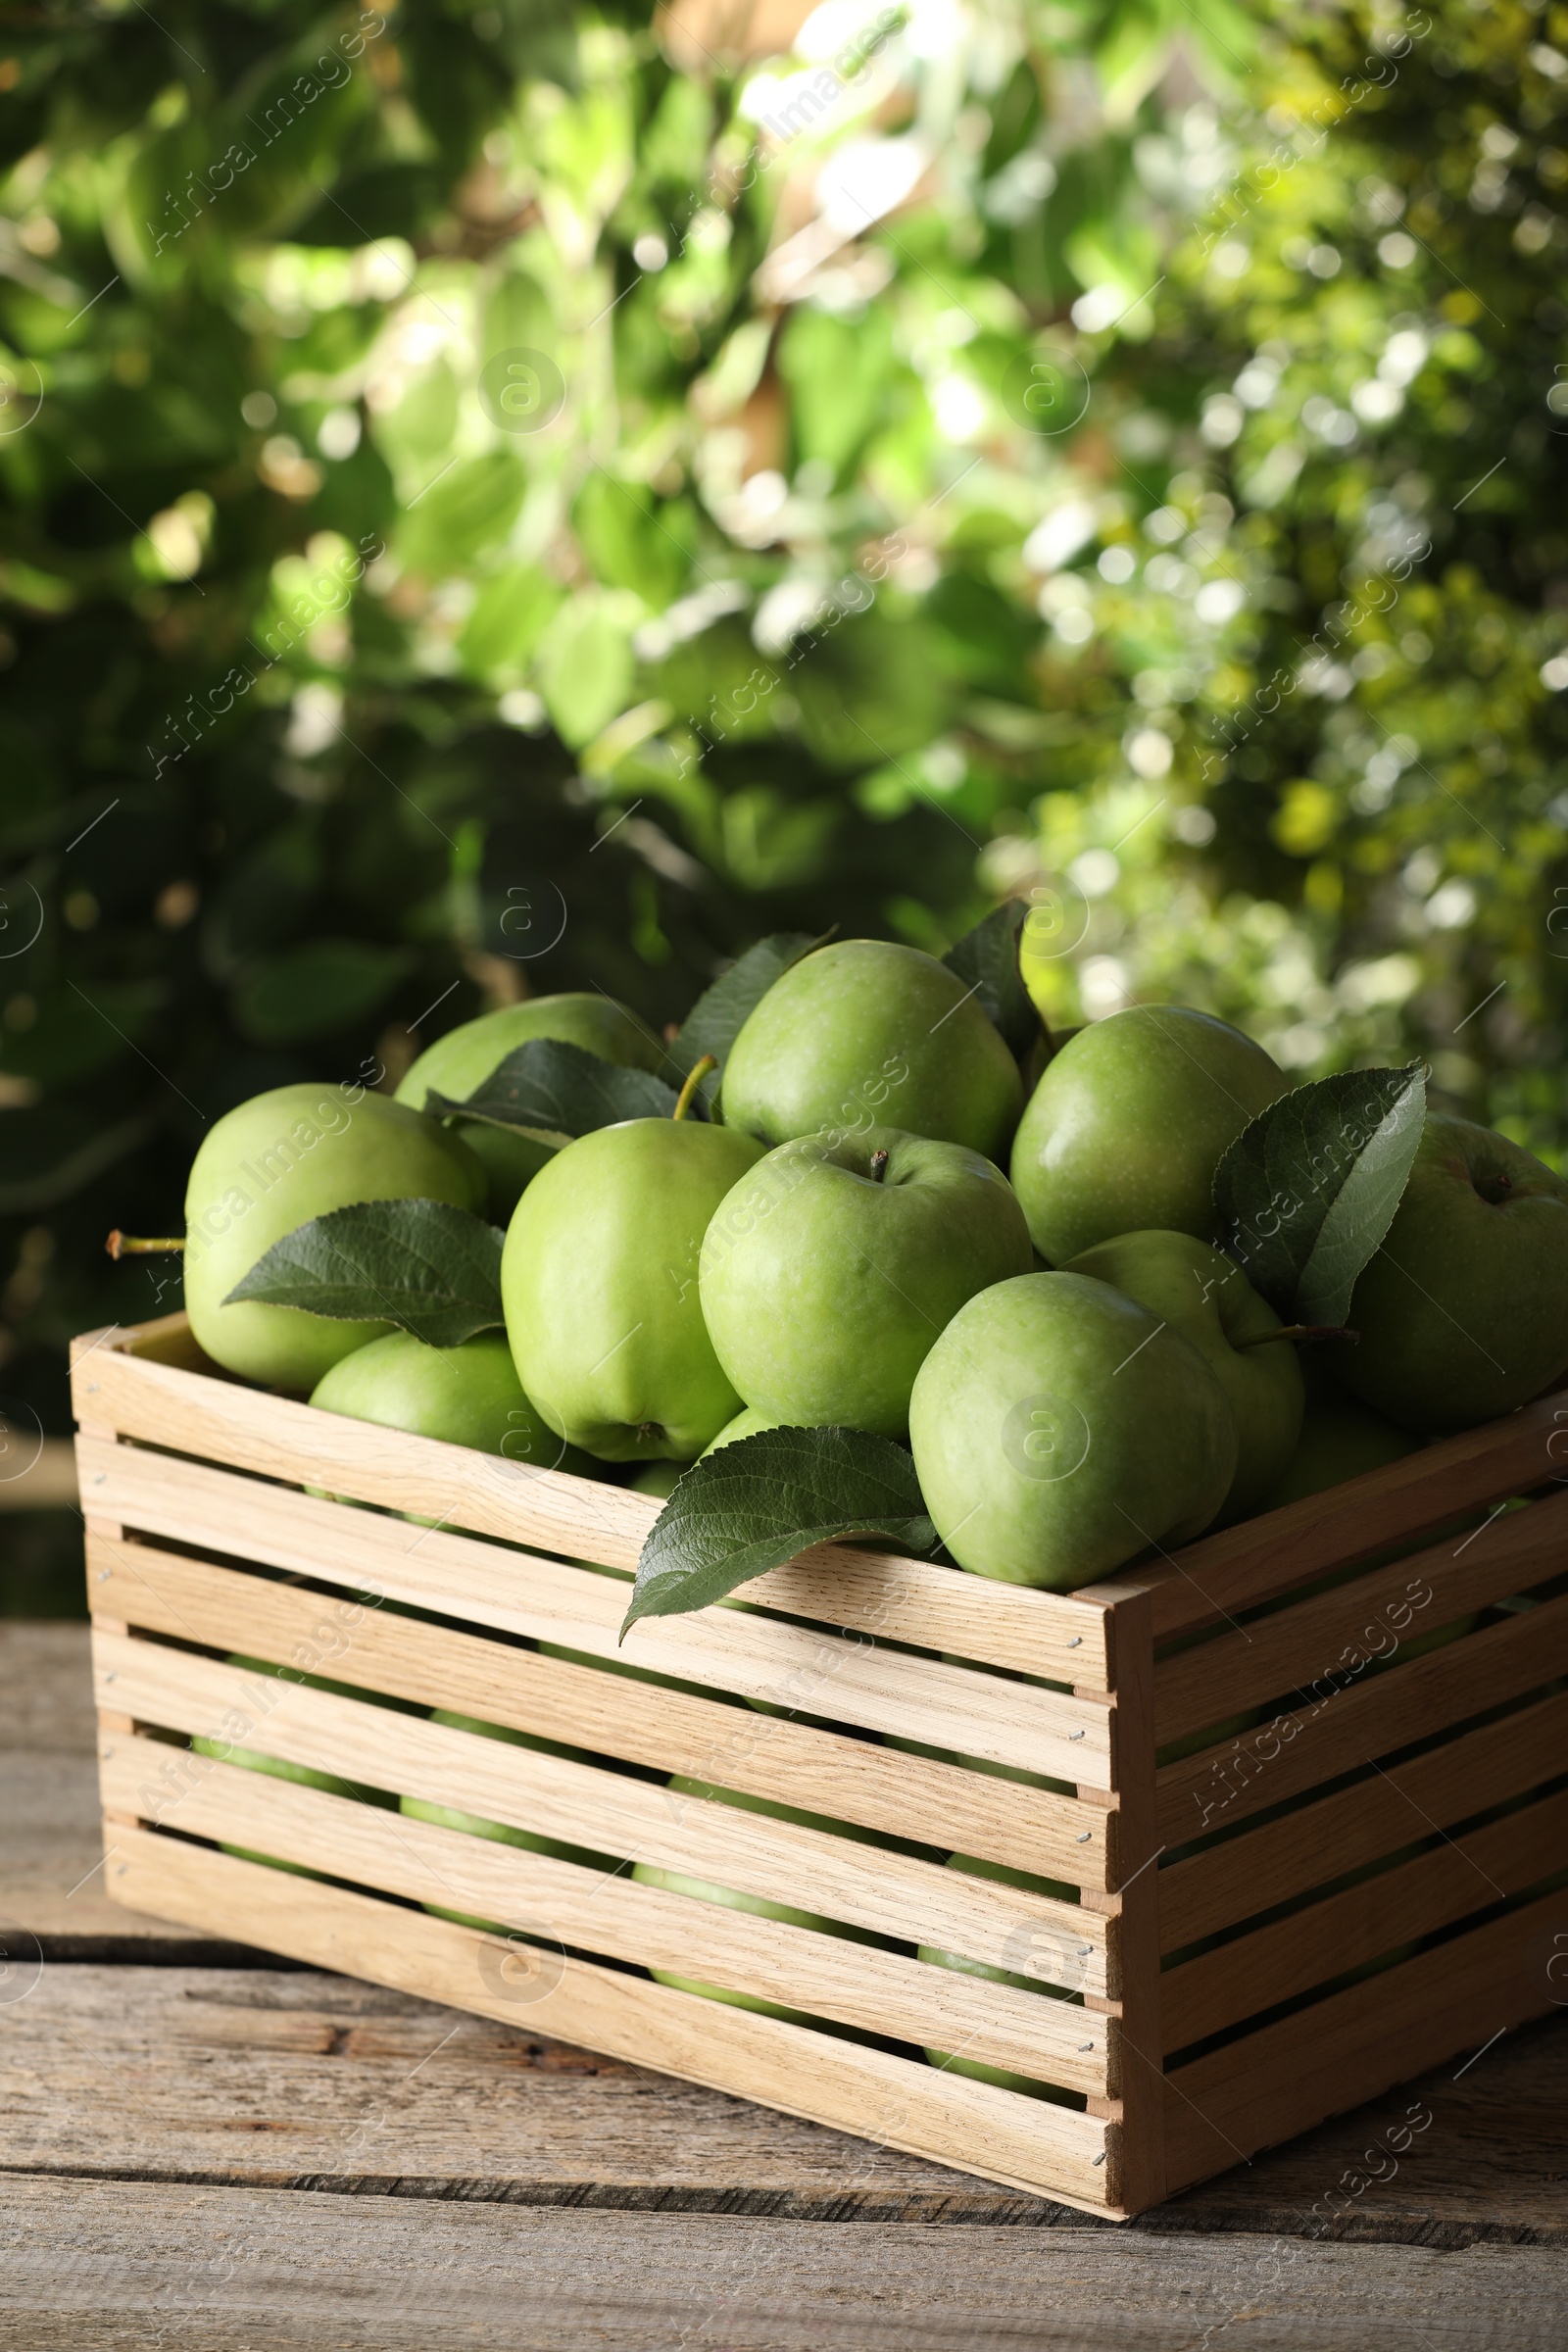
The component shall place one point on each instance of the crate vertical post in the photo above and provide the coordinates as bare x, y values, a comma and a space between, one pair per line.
1138, 2161
112, 1723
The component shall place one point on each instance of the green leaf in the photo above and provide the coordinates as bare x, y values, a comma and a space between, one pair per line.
1306, 1192
326, 984
459, 510
430, 1268
559, 1090
584, 665
721, 1011
759, 1502
986, 959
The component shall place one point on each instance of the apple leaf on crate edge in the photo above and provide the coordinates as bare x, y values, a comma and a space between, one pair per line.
556, 1090
430, 1268
1307, 1191
720, 1012
988, 959
759, 1502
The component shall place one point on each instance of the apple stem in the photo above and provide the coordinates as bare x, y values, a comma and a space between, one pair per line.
131, 1245
694, 1079
879, 1166
1299, 1331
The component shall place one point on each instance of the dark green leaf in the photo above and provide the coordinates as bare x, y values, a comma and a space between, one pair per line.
555, 1089
328, 984
987, 960
759, 1502
430, 1268
1306, 1192
721, 1011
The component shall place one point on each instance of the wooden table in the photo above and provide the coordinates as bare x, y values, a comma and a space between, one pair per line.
202, 2147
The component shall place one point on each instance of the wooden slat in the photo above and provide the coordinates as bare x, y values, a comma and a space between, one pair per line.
766, 1755
1321, 1637
759, 1657
1433, 1890
1416, 1495
1027, 2142
1234, 1880
608, 1812
890, 1993
1054, 1634
1207, 1792
1269, 2085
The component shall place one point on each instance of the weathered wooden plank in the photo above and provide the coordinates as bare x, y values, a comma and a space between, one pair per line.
758, 1655
769, 1755
252, 2077
1416, 1495
1362, 1923
1321, 1639
881, 1993
1398, 1807
579, 1805
51, 1823
874, 2094
301, 2078
1228, 1782
164, 1402
133, 2267
1266, 2086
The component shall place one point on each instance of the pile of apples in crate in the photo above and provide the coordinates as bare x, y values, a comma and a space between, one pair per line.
881, 1256
863, 1250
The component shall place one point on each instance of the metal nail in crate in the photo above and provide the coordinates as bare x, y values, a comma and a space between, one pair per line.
1220, 1961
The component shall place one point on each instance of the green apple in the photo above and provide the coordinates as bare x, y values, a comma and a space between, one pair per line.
447, 1817
599, 1281
1128, 1124
866, 1032
1463, 1312
749, 1424
274, 1163
1339, 1439
467, 1395
459, 1063
1204, 1295
1060, 1428
660, 1478
832, 1268
977, 2068
703, 1891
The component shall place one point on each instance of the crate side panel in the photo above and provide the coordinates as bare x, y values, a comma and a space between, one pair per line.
1268, 2085
1027, 2143
1048, 1633
607, 1812
570, 1907
1417, 1495
1354, 1726
754, 1655
1203, 1893
1364, 1922
592, 1707
1317, 1639
165, 1340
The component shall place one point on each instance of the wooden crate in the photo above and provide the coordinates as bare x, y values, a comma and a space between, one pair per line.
1220, 1967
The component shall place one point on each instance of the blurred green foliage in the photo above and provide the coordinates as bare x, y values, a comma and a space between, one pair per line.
522, 497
